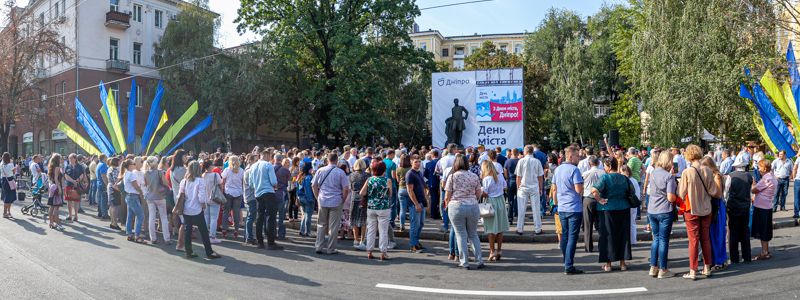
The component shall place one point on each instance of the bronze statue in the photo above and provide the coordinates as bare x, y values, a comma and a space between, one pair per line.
455, 124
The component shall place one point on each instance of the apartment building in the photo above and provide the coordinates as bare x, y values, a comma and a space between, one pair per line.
112, 41
454, 49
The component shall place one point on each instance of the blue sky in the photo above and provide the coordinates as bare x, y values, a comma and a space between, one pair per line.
498, 16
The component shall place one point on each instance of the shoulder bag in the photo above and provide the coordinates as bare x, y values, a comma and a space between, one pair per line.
217, 195
632, 199
487, 210
714, 202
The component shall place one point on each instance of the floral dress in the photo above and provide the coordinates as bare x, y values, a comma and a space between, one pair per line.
377, 193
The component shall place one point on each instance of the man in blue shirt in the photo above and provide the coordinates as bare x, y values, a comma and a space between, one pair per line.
542, 158
391, 174
509, 168
263, 181
726, 166
102, 196
568, 188
433, 184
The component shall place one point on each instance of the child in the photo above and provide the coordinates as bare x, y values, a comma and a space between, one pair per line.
762, 211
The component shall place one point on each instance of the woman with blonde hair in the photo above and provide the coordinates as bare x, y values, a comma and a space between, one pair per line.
133, 194
233, 181
496, 224
662, 186
155, 195
697, 187
358, 211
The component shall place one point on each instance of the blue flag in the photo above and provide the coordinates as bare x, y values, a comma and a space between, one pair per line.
197, 129
95, 134
132, 115
152, 119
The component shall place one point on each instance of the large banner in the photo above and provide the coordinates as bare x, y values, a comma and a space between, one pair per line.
478, 107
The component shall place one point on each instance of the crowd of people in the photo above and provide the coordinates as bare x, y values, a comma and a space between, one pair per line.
370, 193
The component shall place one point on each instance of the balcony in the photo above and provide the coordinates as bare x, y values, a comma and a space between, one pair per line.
459, 56
41, 73
120, 20
120, 66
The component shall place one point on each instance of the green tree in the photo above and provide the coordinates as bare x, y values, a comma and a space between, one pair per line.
684, 60
625, 117
359, 58
570, 87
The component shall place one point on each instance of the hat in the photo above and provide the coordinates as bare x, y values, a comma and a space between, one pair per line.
741, 161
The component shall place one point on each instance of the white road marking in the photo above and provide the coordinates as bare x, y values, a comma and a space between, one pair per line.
511, 293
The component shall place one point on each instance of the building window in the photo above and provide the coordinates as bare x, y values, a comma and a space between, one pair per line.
518, 48
473, 49
63, 91
459, 51
504, 47
139, 96
159, 18
601, 110
137, 53
445, 52
55, 10
113, 50
64, 6
423, 45
41, 20
114, 5
115, 91
137, 13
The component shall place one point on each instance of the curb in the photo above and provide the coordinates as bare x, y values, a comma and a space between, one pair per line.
511, 237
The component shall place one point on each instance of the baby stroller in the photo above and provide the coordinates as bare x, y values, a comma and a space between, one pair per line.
37, 207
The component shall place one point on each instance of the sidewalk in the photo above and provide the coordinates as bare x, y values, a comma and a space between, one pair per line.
431, 231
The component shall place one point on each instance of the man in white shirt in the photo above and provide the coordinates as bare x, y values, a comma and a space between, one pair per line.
680, 161
442, 169
353, 157
590, 178
782, 169
530, 180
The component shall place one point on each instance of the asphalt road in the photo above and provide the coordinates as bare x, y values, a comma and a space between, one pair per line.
90, 261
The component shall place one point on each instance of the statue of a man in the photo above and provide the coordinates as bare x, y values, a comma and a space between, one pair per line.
457, 123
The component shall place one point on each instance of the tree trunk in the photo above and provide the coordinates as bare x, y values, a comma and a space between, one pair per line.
4, 132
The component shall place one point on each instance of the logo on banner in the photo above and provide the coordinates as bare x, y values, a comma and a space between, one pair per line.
499, 101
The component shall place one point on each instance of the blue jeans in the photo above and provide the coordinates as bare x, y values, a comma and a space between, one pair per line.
403, 199
796, 199
102, 200
211, 214
465, 226
417, 221
543, 201
308, 212
512, 198
451, 242
134, 210
92, 191
252, 212
570, 228
661, 227
282, 213
780, 196
445, 217
394, 204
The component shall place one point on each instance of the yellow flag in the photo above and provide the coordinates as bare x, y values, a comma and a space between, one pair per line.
176, 127
789, 98
110, 129
161, 122
78, 139
774, 91
114, 117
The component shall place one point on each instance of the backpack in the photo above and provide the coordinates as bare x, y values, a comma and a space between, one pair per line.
304, 192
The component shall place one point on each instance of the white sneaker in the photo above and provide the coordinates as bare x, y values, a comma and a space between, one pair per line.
215, 241
361, 247
392, 245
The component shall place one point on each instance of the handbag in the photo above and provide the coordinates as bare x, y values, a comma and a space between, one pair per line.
178, 209
217, 195
487, 210
12, 184
632, 199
